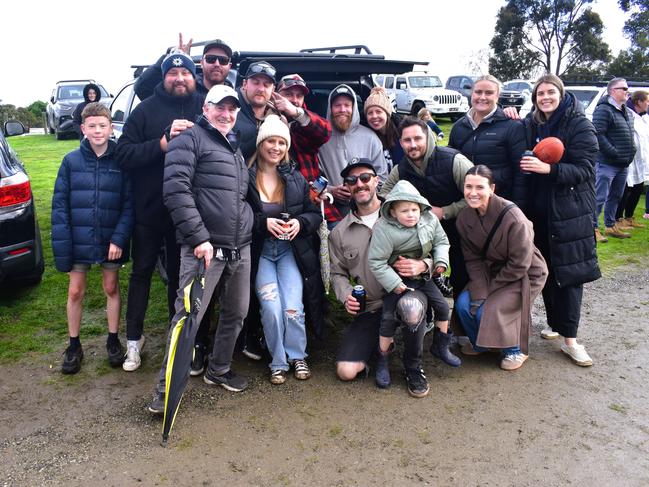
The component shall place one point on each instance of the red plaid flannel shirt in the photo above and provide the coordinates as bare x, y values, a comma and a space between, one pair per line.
305, 142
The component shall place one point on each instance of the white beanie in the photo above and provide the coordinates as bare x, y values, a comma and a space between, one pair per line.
273, 127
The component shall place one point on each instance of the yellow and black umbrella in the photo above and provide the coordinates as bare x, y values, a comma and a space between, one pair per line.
181, 350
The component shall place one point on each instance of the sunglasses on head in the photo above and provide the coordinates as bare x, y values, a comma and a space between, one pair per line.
287, 83
212, 58
365, 178
262, 69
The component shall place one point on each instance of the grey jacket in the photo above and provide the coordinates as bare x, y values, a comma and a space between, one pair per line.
357, 141
391, 239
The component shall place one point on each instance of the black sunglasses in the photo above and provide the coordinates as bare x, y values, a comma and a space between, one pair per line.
262, 69
365, 178
623, 88
212, 58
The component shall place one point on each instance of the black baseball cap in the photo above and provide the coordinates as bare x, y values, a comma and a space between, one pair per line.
261, 67
342, 90
357, 162
220, 44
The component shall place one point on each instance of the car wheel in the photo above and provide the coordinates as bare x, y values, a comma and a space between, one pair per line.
416, 107
48, 127
59, 135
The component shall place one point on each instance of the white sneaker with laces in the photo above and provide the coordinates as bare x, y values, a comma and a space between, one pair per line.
549, 334
133, 360
578, 354
513, 361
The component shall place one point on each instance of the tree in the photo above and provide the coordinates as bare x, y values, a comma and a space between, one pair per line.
555, 36
37, 109
634, 62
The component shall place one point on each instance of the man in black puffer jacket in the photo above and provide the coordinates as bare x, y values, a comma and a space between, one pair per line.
141, 151
614, 125
205, 188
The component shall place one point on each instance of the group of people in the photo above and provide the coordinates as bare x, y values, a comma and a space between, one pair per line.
209, 173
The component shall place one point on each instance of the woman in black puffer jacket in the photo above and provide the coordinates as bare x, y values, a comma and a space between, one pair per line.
561, 202
285, 262
485, 135
91, 93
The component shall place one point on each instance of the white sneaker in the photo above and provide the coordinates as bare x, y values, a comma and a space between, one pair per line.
549, 334
133, 361
578, 354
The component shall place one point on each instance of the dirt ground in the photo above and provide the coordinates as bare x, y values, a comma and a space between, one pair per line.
549, 423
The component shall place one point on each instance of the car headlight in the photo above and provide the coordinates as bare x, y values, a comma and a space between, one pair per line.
435, 98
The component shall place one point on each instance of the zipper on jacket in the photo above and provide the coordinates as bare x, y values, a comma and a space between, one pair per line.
238, 171
95, 212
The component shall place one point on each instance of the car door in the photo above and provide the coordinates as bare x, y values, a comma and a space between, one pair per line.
401, 94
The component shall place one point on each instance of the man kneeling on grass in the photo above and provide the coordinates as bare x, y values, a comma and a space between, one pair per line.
92, 219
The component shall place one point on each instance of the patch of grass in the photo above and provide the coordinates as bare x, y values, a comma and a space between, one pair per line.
335, 430
618, 408
33, 320
624, 251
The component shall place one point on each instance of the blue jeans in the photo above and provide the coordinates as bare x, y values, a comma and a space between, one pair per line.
279, 288
471, 323
610, 182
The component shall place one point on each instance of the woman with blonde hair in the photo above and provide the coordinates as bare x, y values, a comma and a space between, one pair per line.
282, 249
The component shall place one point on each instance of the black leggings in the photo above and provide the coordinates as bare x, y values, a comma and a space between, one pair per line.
629, 201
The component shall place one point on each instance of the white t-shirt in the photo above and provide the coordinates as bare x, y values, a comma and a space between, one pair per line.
370, 220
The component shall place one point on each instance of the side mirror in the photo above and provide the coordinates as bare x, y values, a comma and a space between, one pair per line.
466, 87
52, 98
14, 128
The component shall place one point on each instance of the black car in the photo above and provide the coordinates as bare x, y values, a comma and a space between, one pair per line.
322, 68
21, 251
515, 93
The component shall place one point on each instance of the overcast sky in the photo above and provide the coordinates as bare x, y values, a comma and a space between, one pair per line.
46, 42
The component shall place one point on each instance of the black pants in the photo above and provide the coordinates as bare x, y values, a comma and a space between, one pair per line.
563, 307
629, 201
147, 242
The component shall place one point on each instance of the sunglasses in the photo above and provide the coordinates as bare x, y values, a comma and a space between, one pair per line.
287, 83
365, 178
261, 69
213, 58
623, 88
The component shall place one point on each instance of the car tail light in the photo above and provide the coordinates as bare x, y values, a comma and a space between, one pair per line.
15, 190
22, 250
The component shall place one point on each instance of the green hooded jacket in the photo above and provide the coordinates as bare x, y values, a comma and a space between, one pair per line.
390, 239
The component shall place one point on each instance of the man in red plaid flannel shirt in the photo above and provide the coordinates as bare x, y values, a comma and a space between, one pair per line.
308, 131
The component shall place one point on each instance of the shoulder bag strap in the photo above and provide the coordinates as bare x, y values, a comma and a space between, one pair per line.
499, 220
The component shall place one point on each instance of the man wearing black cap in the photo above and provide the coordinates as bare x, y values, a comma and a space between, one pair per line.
141, 151
255, 94
215, 66
348, 247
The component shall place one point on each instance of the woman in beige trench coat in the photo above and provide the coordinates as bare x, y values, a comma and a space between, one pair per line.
505, 274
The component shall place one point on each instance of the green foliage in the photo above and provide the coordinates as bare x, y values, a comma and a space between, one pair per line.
37, 109
548, 36
634, 62
24, 115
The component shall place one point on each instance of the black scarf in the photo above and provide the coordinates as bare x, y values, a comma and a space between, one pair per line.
551, 127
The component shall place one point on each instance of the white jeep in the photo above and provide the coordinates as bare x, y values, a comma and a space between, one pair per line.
417, 89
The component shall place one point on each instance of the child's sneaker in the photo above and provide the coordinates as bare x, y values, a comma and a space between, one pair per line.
417, 383
72, 358
115, 354
133, 350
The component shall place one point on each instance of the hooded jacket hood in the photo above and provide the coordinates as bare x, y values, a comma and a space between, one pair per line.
87, 88
404, 191
356, 116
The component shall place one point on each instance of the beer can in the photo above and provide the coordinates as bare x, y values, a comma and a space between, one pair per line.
319, 185
358, 293
285, 218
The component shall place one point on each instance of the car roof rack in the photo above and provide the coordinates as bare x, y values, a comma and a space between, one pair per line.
578, 82
358, 48
77, 81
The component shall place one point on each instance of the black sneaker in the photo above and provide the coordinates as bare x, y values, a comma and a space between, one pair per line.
157, 405
72, 358
198, 363
229, 380
417, 383
116, 354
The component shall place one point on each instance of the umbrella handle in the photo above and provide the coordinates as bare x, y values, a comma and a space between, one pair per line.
329, 198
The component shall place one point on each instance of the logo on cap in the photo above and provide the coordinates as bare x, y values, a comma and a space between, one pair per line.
177, 61
354, 160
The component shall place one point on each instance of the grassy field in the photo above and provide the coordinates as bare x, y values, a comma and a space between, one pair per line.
33, 320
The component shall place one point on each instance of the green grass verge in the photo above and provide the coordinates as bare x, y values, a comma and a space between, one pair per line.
33, 320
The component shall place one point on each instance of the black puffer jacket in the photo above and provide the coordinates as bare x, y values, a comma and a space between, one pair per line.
138, 150
247, 126
498, 143
614, 133
205, 188
561, 204
305, 250
76, 115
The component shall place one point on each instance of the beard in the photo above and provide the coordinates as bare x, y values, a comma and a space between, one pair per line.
184, 88
342, 122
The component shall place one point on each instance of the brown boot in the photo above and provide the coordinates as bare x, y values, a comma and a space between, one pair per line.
614, 231
622, 224
599, 238
634, 224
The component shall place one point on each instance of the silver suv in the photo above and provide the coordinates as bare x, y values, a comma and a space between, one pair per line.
65, 97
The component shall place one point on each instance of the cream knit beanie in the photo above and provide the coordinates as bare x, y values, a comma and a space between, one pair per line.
273, 126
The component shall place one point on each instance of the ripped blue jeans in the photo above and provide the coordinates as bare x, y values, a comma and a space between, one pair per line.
278, 285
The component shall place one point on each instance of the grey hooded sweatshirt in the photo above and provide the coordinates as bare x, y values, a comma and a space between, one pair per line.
357, 141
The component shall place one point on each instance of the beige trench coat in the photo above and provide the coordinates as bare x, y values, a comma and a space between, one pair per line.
508, 279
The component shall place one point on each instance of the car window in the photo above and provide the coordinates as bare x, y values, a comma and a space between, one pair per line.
379, 80
425, 82
510, 86
120, 106
70, 91
389, 82
104, 93
585, 97
401, 83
